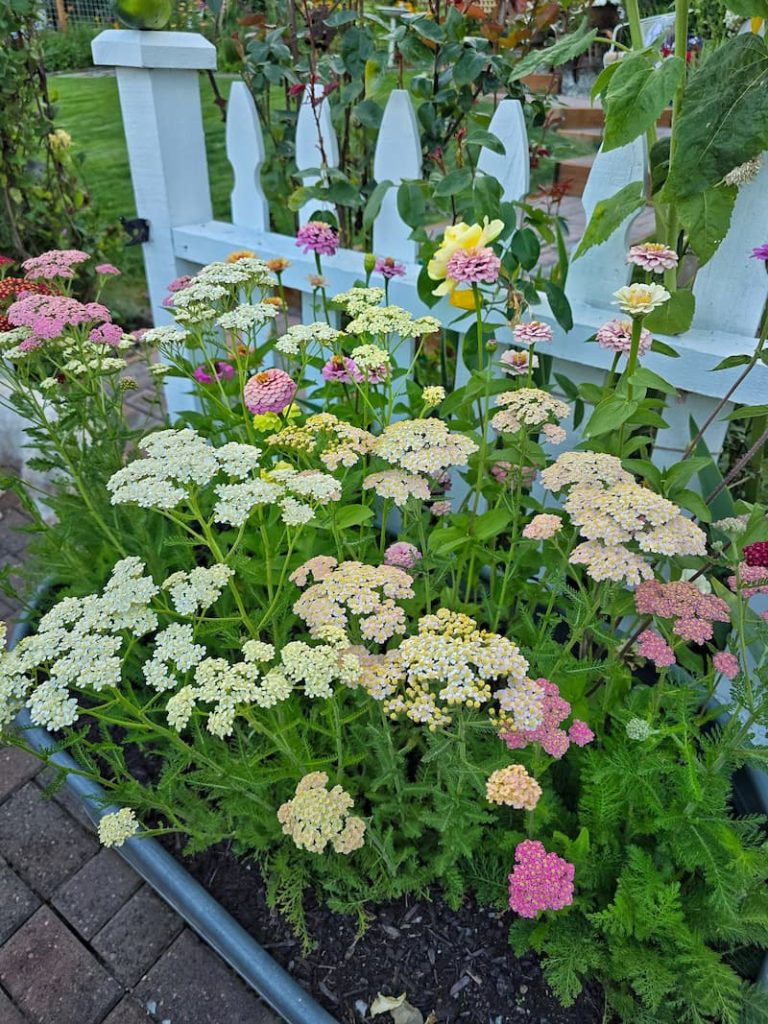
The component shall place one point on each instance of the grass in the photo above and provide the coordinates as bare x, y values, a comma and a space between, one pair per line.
89, 109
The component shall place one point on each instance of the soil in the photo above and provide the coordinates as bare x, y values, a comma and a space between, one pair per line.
456, 964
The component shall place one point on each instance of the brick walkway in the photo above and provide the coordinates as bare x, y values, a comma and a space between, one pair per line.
82, 939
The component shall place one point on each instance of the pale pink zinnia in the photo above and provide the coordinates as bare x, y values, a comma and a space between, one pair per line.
402, 554
727, 664
471, 266
342, 370
532, 332
389, 267
516, 362
616, 335
317, 237
269, 391
653, 257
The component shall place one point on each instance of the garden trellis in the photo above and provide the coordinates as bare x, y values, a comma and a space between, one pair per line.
157, 74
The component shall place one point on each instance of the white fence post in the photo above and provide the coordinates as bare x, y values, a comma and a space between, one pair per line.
397, 159
157, 78
246, 154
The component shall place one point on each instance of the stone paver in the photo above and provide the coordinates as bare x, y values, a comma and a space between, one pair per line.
191, 985
17, 902
136, 936
16, 768
52, 977
92, 897
41, 841
128, 1011
8, 1012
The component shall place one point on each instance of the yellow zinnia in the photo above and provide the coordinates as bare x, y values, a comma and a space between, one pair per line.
455, 237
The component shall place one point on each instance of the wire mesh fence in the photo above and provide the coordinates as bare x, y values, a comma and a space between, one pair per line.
61, 13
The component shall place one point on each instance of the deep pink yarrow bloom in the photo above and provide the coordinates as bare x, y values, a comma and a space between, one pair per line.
550, 737
224, 371
269, 391
48, 315
653, 257
760, 253
727, 664
532, 333
616, 335
107, 270
6, 261
580, 733
757, 553
473, 266
317, 237
106, 334
342, 370
402, 554
389, 267
540, 880
54, 263
653, 646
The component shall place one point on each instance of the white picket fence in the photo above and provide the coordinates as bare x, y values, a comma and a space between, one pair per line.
158, 80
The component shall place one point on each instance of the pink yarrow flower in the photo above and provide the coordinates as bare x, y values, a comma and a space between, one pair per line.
269, 391
542, 527
54, 263
749, 580
653, 646
318, 238
616, 335
107, 270
653, 257
473, 266
540, 880
224, 371
550, 737
402, 554
342, 370
106, 334
727, 664
580, 733
389, 267
532, 332
48, 315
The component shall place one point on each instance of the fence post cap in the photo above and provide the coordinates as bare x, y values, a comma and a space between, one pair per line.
130, 48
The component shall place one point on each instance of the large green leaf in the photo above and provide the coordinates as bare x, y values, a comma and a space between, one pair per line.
609, 214
748, 8
636, 95
564, 49
675, 316
723, 120
706, 218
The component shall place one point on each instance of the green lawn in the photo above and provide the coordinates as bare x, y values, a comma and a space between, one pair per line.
89, 109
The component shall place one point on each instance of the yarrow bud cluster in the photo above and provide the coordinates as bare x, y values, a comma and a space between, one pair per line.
316, 816
334, 441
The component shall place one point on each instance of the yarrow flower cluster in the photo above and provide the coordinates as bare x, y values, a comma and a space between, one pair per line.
749, 580
432, 396
385, 320
513, 787
539, 881
358, 299
317, 816
402, 554
334, 441
727, 664
47, 316
298, 337
530, 407
423, 446
543, 527
654, 647
115, 828
367, 593
682, 601
450, 661
547, 733
54, 263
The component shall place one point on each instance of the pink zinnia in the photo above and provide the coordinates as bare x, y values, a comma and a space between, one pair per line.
342, 369
269, 391
223, 372
532, 333
389, 267
653, 257
516, 362
471, 266
616, 335
106, 334
54, 263
178, 283
440, 509
402, 554
107, 270
727, 664
653, 646
540, 880
318, 238
760, 253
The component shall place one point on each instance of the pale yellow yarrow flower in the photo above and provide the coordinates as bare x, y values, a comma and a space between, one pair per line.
115, 828
640, 299
432, 396
455, 237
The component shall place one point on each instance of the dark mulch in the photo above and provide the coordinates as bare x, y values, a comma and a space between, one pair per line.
455, 963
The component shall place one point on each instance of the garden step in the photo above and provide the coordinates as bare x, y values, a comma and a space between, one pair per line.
579, 113
575, 170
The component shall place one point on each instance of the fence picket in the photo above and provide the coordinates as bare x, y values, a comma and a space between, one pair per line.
315, 136
246, 154
512, 168
397, 159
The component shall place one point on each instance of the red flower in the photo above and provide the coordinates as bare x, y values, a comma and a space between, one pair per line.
757, 554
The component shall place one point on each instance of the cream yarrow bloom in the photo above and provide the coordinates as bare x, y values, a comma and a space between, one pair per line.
115, 828
528, 407
317, 816
424, 446
640, 299
432, 396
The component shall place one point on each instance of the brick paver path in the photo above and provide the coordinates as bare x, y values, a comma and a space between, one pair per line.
82, 939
